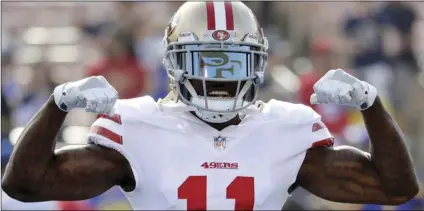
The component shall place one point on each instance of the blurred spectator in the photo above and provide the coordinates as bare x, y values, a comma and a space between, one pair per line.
280, 82
161, 87
74, 205
149, 46
120, 66
6, 146
363, 29
8, 85
35, 94
321, 54
400, 18
149, 50
8, 42
126, 14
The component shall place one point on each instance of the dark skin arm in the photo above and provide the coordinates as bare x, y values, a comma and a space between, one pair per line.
37, 173
349, 175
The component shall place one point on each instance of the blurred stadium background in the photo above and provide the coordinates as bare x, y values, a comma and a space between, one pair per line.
47, 43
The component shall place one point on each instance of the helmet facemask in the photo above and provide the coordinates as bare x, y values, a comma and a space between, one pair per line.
219, 79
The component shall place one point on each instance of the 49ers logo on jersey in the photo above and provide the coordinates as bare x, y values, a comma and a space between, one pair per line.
220, 35
219, 165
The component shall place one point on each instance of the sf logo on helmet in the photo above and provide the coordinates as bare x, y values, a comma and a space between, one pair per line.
221, 35
220, 61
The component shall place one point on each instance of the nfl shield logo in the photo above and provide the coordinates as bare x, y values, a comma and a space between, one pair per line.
219, 142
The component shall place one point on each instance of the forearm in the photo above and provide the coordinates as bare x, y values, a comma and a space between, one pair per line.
389, 153
34, 149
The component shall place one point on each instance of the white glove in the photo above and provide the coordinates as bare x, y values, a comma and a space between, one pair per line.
341, 88
94, 94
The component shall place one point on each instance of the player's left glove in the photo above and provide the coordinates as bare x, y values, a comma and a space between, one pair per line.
341, 88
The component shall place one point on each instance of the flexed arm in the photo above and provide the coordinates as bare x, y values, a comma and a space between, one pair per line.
37, 173
346, 174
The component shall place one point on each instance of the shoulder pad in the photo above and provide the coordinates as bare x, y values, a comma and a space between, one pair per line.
297, 113
141, 106
308, 122
111, 126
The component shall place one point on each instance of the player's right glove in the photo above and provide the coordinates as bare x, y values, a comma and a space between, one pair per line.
94, 94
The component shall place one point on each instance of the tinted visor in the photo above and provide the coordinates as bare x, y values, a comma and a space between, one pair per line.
220, 65
230, 64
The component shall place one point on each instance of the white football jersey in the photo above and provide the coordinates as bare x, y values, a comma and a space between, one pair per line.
180, 162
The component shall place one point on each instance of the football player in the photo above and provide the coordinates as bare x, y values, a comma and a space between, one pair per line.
210, 144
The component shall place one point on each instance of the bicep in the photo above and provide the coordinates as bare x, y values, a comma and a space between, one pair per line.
78, 173
342, 174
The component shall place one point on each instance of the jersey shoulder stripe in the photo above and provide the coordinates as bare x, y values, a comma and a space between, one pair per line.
106, 133
114, 117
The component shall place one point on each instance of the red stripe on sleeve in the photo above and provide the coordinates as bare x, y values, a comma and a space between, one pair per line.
210, 14
318, 126
229, 15
115, 117
106, 133
323, 143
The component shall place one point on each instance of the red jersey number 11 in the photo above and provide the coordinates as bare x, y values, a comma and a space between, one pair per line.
194, 190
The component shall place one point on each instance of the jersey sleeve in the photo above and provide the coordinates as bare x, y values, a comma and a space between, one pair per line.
316, 133
308, 127
320, 135
108, 131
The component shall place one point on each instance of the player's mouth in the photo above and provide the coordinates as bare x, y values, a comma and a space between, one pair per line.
216, 89
219, 93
